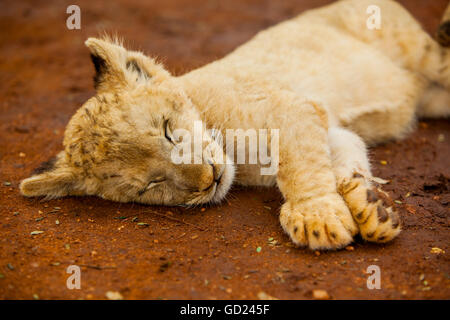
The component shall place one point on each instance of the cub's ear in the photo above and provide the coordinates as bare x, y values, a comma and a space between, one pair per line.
118, 68
52, 181
107, 58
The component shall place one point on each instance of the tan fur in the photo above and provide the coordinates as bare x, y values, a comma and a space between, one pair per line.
322, 78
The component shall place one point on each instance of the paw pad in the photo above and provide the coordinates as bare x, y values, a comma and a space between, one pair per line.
382, 214
371, 196
372, 208
322, 223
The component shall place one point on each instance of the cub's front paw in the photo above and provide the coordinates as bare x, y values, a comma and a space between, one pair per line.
320, 223
373, 209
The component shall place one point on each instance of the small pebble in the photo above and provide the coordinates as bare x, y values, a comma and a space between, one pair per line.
114, 295
437, 250
143, 224
264, 296
320, 294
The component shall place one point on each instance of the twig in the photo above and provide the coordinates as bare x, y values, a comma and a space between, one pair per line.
97, 267
178, 220
181, 236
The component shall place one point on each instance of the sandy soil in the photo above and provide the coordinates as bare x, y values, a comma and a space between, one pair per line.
203, 253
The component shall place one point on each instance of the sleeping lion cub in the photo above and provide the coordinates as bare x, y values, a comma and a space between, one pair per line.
324, 79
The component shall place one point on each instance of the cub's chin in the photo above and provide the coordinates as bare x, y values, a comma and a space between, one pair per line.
224, 185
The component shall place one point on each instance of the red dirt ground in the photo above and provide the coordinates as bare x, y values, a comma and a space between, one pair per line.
198, 253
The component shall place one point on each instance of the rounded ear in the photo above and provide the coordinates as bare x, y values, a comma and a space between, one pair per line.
55, 184
51, 181
117, 67
107, 58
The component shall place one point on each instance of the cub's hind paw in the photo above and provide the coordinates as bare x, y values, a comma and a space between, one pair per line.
372, 208
319, 223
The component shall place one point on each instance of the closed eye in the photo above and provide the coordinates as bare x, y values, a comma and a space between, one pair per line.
167, 132
151, 184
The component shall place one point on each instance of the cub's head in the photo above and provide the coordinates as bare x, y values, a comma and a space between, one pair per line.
119, 145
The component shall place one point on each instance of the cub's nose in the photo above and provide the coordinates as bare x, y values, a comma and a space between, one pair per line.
217, 172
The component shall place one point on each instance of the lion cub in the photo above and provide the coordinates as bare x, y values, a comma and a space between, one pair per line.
323, 79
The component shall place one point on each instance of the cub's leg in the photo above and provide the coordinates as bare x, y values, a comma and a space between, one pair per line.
371, 207
435, 103
314, 214
432, 61
395, 121
400, 37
